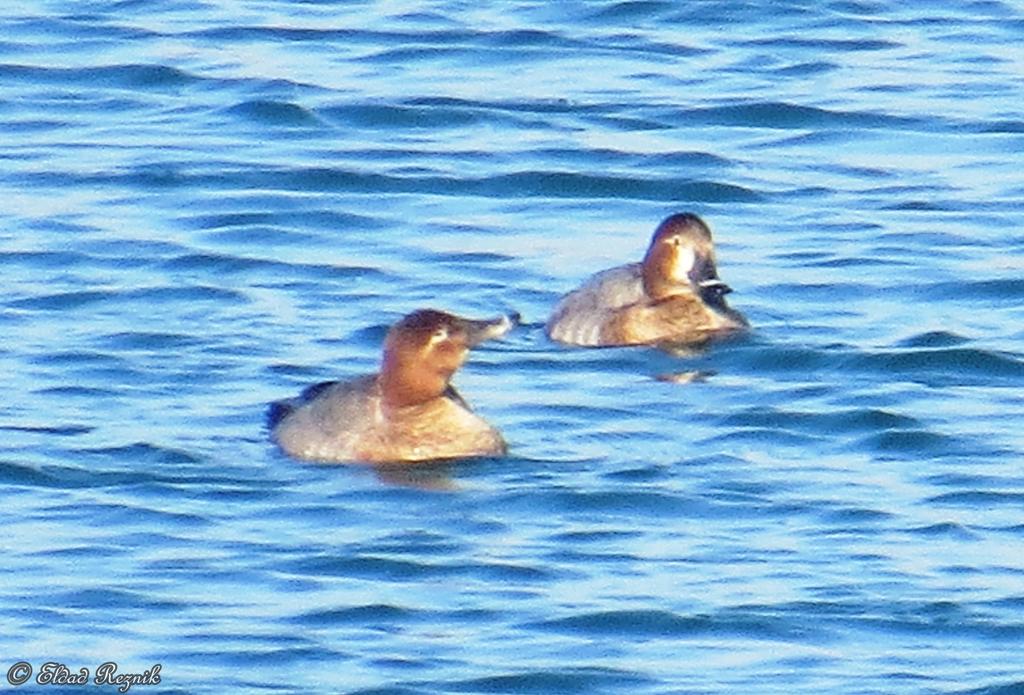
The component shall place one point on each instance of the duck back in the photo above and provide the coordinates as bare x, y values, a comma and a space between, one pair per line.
579, 318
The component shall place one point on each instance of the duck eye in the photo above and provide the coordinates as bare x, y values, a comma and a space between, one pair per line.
439, 335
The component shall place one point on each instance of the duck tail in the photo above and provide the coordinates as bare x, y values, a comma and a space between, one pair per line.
278, 411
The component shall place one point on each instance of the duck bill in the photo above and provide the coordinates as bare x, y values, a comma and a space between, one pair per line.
703, 270
704, 275
489, 329
715, 286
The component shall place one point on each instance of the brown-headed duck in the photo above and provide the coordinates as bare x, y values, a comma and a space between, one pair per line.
674, 296
408, 412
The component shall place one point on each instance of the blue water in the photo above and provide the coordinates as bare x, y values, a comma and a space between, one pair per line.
207, 206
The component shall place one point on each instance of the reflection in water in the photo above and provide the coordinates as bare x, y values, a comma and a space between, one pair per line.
435, 476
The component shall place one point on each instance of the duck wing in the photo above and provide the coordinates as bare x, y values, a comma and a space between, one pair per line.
578, 317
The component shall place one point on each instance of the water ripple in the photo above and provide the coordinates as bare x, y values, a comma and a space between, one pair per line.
570, 680
400, 570
785, 116
120, 76
275, 113
668, 625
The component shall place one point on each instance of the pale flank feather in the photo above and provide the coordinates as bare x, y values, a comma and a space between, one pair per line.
579, 316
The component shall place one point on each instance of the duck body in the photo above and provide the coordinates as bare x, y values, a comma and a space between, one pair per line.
408, 412
673, 296
349, 421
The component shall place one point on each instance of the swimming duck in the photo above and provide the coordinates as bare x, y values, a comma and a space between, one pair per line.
673, 296
407, 412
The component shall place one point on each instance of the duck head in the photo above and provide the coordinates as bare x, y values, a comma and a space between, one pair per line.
681, 258
424, 350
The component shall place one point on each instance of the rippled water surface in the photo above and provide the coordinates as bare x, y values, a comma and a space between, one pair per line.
207, 206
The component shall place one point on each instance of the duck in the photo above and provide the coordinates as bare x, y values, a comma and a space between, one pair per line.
407, 412
674, 296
